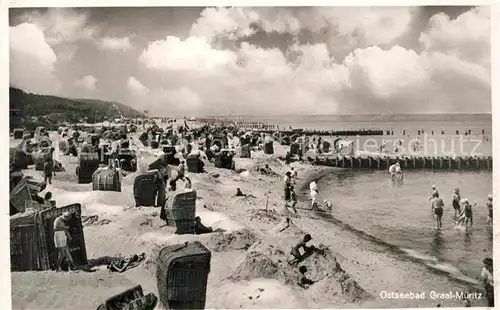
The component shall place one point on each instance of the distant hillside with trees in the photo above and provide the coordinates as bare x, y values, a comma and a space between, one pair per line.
43, 110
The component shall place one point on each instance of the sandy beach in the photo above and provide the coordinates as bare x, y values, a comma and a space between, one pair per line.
249, 253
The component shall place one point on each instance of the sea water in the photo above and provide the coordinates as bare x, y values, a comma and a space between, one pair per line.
399, 214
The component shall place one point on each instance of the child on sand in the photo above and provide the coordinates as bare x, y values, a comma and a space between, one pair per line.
304, 281
297, 257
328, 205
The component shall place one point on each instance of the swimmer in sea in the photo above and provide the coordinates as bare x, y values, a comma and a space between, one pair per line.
433, 192
395, 171
489, 205
437, 206
466, 215
456, 202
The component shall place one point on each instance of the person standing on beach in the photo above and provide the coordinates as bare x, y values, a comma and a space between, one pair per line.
487, 279
287, 183
489, 205
61, 238
437, 206
313, 187
293, 199
294, 175
456, 203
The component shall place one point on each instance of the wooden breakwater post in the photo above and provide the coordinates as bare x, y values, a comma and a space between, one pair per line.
477, 163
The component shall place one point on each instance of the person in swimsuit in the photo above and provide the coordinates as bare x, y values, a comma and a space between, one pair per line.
433, 195
489, 205
287, 182
293, 198
466, 213
297, 257
61, 238
456, 203
437, 205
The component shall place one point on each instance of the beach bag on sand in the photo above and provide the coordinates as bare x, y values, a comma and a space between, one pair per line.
194, 163
131, 299
268, 147
146, 188
18, 133
180, 212
182, 275
89, 162
106, 179
243, 151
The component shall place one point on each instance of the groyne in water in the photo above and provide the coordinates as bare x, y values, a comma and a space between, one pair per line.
357, 132
407, 162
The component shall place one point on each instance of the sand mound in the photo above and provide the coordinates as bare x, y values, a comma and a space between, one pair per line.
236, 240
269, 259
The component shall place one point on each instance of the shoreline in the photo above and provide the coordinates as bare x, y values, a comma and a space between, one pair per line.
330, 218
248, 228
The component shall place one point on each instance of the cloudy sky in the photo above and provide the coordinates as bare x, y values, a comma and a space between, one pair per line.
210, 61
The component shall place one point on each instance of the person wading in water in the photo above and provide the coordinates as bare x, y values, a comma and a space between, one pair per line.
456, 203
466, 213
489, 205
437, 206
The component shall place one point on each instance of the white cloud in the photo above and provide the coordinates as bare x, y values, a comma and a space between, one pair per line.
194, 54
87, 82
446, 74
61, 25
182, 99
231, 22
467, 36
136, 87
111, 43
32, 60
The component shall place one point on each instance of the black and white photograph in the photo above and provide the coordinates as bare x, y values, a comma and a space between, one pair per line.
250, 157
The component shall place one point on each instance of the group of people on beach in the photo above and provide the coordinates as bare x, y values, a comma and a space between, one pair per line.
462, 207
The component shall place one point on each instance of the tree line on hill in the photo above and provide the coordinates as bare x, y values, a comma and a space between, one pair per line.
31, 110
